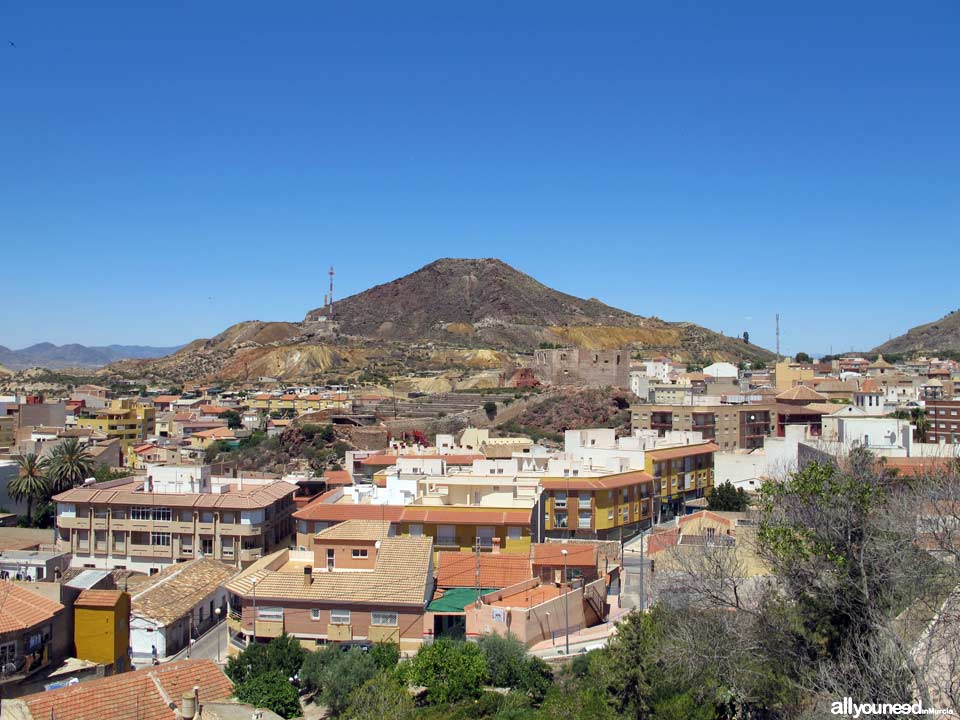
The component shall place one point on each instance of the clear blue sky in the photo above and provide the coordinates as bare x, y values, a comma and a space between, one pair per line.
166, 172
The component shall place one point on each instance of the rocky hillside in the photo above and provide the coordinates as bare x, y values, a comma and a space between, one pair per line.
450, 316
940, 335
485, 302
56, 357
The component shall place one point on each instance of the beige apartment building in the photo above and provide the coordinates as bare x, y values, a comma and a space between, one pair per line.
175, 513
731, 427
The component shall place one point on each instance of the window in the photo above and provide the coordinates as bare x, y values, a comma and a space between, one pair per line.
100, 540
560, 499
270, 614
560, 519
390, 619
206, 546
159, 538
101, 513
584, 519
139, 513
416, 530
610, 515
485, 537
162, 514
360, 552
314, 613
584, 502
186, 516
339, 617
206, 517
514, 533
119, 541
446, 535
119, 514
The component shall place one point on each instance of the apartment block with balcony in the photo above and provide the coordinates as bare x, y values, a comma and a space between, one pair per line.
176, 513
126, 419
943, 421
731, 427
358, 584
604, 507
680, 474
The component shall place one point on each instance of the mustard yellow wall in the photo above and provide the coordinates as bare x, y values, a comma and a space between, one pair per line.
102, 635
601, 503
671, 473
466, 537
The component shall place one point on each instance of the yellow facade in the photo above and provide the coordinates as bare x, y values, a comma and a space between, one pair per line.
464, 537
682, 475
102, 634
789, 373
602, 505
125, 420
301, 403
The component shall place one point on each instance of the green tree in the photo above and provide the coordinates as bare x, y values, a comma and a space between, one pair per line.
70, 464
247, 664
285, 654
343, 675
450, 670
385, 655
726, 498
490, 408
234, 421
509, 666
271, 690
311, 672
31, 483
581, 703
382, 697
802, 357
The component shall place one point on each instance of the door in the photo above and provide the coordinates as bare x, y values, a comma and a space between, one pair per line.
330, 559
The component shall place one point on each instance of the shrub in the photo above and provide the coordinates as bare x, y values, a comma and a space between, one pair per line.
271, 690
451, 671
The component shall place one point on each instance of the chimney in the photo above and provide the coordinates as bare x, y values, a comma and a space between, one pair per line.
188, 705
496, 545
307, 576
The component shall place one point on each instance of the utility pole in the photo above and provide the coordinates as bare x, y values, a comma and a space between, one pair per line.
566, 601
331, 292
253, 584
477, 566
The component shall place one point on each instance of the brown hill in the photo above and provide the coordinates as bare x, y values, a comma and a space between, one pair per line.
461, 306
937, 336
485, 302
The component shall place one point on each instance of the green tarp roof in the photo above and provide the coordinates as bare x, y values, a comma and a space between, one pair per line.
456, 599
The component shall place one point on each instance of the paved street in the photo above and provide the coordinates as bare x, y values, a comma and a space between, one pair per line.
634, 574
204, 647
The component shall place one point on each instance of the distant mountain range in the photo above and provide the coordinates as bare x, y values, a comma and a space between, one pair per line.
57, 357
936, 336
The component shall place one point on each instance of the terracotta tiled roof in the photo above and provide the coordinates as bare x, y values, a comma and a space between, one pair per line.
139, 695
217, 432
337, 512
21, 609
169, 595
607, 482
166, 398
801, 392
14, 538
683, 451
578, 554
401, 576
130, 494
464, 516
356, 530
385, 460
98, 598
458, 569
338, 477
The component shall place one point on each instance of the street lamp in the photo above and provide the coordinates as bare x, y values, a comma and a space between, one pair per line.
253, 584
566, 600
216, 611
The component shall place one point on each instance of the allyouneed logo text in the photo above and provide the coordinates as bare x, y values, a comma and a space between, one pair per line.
852, 709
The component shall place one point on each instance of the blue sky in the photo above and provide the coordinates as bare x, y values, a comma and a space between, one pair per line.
168, 171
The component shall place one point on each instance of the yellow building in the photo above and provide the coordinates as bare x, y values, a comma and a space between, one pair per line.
129, 421
603, 507
464, 528
300, 404
681, 473
789, 373
101, 629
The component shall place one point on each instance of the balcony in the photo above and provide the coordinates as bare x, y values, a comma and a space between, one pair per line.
447, 541
339, 633
151, 551
250, 554
381, 634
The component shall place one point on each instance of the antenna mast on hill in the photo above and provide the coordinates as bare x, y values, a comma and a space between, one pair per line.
778, 337
331, 292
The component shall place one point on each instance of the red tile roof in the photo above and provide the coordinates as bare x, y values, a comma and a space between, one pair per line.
458, 569
607, 482
579, 554
465, 516
21, 609
98, 598
138, 695
338, 477
338, 512
682, 451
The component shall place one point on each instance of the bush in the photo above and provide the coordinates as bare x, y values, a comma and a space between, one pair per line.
490, 408
385, 655
271, 690
381, 697
283, 654
342, 673
314, 664
450, 670
509, 666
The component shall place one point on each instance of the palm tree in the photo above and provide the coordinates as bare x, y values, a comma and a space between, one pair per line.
31, 482
921, 423
70, 464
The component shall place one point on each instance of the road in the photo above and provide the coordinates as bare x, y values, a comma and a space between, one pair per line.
635, 573
204, 647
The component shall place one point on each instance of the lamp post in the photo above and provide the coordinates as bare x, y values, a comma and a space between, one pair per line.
566, 601
253, 584
216, 611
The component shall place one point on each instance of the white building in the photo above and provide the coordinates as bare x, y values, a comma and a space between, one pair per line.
722, 371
